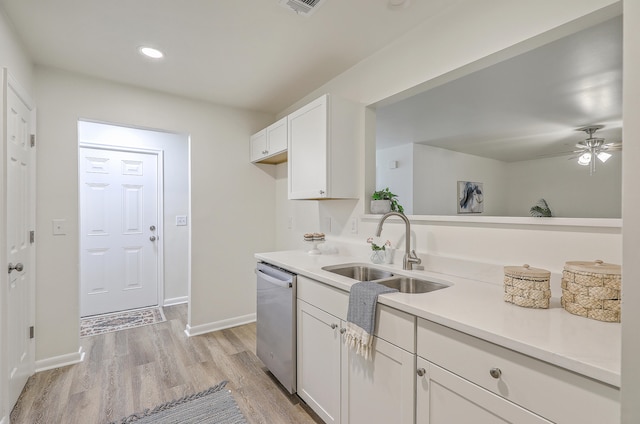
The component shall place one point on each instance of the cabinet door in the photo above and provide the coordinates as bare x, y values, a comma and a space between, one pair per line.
379, 389
319, 361
258, 144
308, 132
277, 137
445, 398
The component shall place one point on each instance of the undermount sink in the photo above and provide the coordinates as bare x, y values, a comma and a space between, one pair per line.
403, 284
412, 285
359, 272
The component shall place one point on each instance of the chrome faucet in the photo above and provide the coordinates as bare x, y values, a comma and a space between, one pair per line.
410, 256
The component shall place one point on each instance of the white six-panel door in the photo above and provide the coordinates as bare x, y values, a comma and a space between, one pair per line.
118, 230
20, 252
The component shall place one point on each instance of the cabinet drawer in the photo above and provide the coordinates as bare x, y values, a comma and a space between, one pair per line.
396, 327
323, 296
392, 325
557, 394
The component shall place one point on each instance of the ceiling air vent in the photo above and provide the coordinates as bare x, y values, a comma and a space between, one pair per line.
302, 7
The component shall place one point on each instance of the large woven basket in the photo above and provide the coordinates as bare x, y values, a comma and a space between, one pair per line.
526, 286
592, 290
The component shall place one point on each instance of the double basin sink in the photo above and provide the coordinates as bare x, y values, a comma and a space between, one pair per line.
404, 284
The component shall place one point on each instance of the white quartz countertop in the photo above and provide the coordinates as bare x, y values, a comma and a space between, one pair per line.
585, 346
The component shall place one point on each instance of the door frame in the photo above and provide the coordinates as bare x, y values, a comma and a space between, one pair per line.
10, 83
160, 207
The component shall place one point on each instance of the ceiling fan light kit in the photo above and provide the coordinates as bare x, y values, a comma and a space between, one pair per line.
593, 147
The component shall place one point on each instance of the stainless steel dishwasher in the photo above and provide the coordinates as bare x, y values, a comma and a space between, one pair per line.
276, 322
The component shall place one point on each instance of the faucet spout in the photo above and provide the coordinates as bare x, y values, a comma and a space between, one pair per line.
410, 256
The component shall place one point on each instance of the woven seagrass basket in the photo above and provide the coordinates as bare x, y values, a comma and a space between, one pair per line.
592, 290
526, 286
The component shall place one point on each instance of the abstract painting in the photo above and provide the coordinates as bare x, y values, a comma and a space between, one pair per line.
470, 197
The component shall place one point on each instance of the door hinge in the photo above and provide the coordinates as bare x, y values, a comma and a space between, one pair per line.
33, 140
32, 236
32, 332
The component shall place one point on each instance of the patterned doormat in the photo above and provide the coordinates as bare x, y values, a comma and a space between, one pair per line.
215, 405
100, 324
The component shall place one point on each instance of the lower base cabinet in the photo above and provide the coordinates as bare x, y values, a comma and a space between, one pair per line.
319, 361
445, 398
380, 389
339, 385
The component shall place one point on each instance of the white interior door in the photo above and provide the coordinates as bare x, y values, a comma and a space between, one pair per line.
119, 230
20, 252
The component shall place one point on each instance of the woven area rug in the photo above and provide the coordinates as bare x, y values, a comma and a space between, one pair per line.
212, 406
99, 324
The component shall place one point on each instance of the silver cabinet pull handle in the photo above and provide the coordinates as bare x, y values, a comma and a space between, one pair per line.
495, 372
421, 372
153, 238
18, 267
334, 326
152, 228
343, 330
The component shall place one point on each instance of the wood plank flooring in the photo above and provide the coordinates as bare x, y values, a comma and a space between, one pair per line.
130, 370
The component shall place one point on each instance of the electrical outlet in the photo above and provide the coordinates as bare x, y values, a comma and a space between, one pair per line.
181, 220
354, 225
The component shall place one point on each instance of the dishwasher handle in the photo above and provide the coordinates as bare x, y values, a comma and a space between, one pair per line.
274, 281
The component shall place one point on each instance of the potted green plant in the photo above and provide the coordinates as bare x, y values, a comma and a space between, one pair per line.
383, 201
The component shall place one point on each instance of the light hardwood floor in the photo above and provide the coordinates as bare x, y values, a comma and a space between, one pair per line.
128, 371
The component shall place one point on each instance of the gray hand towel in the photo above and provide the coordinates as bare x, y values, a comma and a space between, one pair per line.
361, 315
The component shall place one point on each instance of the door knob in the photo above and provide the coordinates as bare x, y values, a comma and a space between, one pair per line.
153, 238
18, 267
152, 228
421, 372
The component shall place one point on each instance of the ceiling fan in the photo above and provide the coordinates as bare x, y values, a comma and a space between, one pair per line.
594, 147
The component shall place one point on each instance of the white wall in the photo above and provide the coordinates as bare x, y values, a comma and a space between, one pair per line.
12, 57
175, 148
436, 175
426, 180
226, 194
630, 207
400, 179
567, 187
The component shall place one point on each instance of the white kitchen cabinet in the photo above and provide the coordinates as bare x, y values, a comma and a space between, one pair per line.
270, 144
445, 398
380, 389
323, 145
504, 383
340, 386
319, 361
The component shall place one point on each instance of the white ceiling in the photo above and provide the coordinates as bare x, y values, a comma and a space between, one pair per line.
523, 108
251, 54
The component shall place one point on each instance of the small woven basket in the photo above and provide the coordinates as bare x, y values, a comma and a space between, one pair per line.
592, 290
526, 286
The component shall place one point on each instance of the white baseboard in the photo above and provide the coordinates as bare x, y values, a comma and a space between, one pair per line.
60, 361
196, 330
175, 301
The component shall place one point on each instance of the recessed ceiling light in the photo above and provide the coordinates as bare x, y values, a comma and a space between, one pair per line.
151, 52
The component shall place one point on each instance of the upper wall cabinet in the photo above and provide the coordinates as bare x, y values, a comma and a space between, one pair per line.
323, 140
270, 144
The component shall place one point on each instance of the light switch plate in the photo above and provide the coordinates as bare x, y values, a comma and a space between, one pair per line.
181, 220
